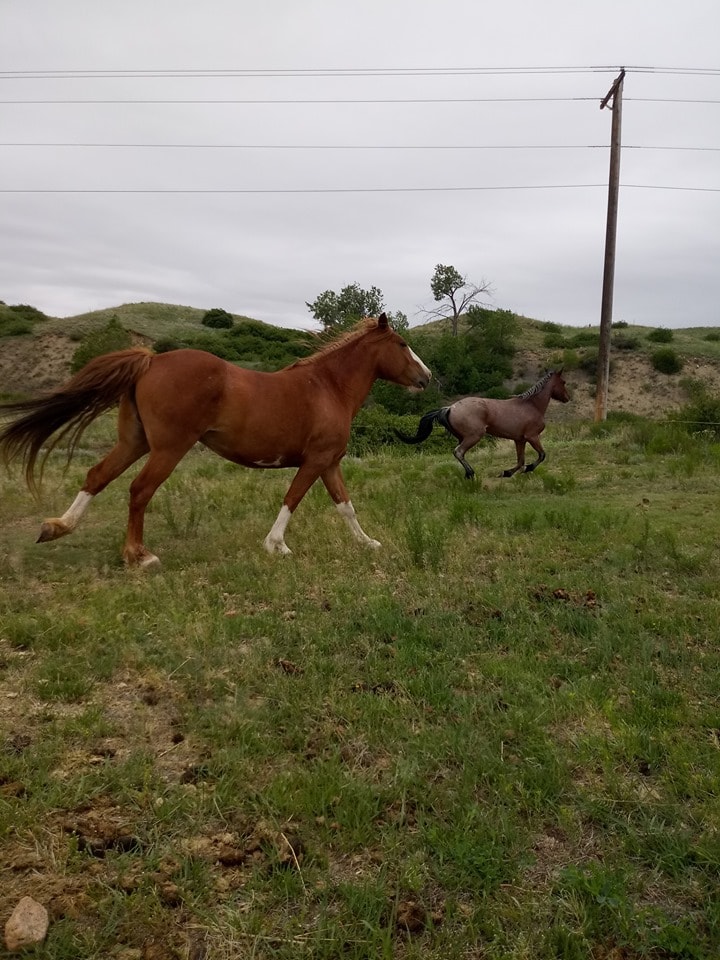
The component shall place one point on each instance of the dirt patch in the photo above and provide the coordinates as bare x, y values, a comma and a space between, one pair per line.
32, 365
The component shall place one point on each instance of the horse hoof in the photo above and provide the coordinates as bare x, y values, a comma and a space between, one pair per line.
142, 561
52, 530
277, 546
373, 544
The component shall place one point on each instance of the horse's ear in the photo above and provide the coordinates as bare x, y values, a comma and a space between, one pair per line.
383, 322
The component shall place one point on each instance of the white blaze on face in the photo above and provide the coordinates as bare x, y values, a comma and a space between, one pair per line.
417, 359
72, 516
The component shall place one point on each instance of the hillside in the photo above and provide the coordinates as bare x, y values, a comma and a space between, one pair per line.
40, 360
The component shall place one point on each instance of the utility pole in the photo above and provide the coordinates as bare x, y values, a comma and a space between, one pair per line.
613, 101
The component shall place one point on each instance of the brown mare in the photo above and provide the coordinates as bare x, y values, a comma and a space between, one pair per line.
520, 418
297, 417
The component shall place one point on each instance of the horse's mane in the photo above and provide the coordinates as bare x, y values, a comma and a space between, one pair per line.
336, 341
532, 391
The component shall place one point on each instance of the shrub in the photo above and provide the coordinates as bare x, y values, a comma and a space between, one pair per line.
625, 343
665, 360
554, 341
218, 319
549, 327
111, 337
713, 336
166, 344
27, 312
702, 414
619, 324
14, 326
661, 335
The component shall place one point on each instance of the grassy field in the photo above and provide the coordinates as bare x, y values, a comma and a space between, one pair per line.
497, 737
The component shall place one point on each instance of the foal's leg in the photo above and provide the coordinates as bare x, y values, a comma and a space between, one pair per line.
302, 481
520, 449
335, 486
537, 446
131, 445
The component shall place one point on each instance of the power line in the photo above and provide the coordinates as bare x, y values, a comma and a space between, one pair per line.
321, 100
453, 71
331, 190
354, 146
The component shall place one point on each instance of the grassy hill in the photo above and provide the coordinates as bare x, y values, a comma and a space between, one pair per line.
37, 352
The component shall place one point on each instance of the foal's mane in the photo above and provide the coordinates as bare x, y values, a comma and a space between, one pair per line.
330, 346
532, 391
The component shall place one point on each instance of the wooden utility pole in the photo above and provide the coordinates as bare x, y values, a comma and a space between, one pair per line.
613, 101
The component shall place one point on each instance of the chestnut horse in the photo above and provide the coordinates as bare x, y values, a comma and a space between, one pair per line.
296, 417
520, 418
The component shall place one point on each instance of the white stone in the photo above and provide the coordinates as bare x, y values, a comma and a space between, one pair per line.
28, 925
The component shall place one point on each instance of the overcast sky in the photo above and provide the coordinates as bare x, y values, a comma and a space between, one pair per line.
278, 149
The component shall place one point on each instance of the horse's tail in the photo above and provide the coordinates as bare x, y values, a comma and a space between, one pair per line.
425, 426
70, 409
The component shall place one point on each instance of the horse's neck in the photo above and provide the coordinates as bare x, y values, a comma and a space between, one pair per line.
542, 398
350, 372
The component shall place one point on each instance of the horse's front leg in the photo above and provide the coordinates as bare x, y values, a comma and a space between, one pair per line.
520, 450
537, 446
306, 476
335, 486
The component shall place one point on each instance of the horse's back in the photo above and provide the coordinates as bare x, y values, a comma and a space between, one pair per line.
507, 419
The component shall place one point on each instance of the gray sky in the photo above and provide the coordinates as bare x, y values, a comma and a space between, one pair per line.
265, 220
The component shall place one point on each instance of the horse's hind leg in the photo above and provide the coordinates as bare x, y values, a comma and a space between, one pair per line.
131, 445
158, 468
459, 453
520, 449
537, 446
335, 486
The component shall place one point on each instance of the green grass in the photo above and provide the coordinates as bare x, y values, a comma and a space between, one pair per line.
496, 737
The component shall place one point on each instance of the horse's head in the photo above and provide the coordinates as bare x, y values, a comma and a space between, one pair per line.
559, 390
396, 361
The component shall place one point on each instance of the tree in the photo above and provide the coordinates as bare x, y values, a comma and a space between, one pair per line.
218, 319
495, 330
341, 311
447, 284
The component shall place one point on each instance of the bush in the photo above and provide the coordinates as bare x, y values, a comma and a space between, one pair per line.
111, 337
713, 336
619, 324
702, 414
218, 319
666, 360
27, 312
661, 335
14, 326
625, 343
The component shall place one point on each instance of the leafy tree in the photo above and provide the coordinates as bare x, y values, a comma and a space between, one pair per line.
455, 294
218, 319
340, 311
494, 330
111, 337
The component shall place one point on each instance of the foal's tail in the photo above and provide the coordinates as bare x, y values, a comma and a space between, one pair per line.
426, 424
69, 409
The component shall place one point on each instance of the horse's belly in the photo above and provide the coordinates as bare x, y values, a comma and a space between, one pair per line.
259, 457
